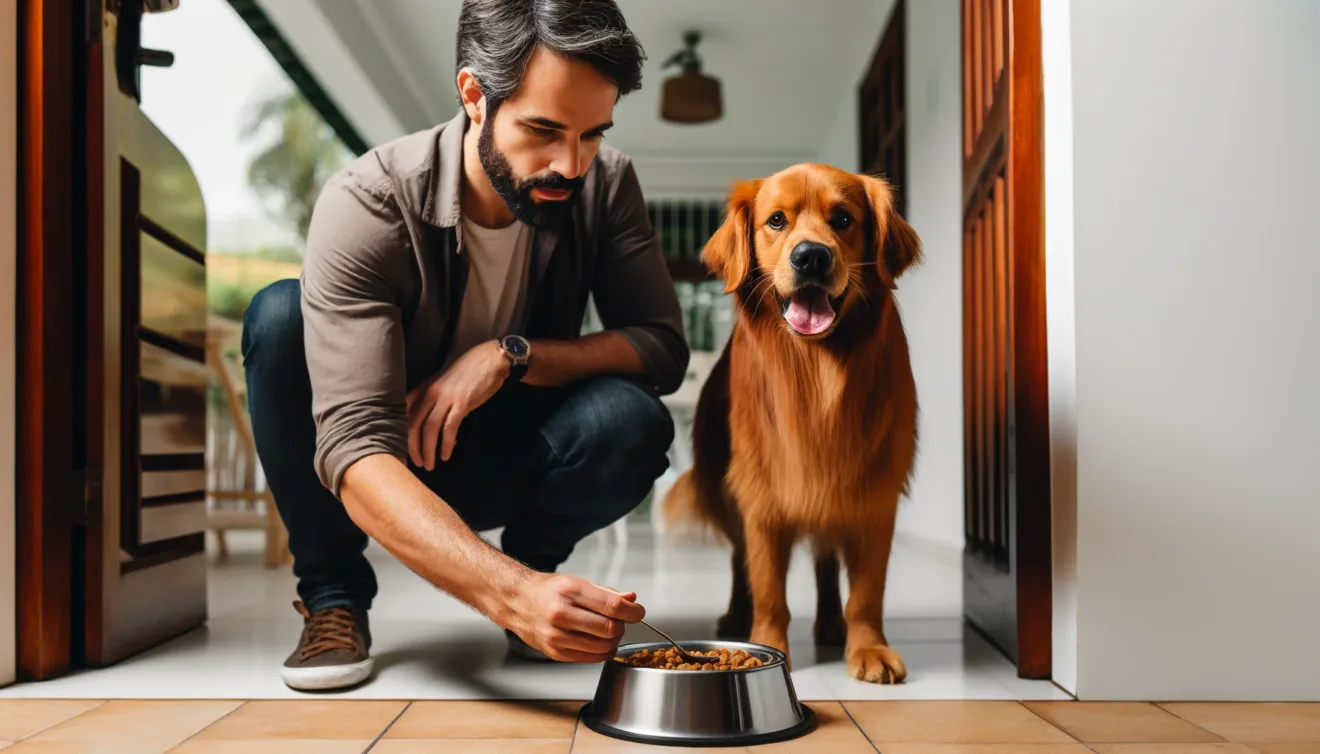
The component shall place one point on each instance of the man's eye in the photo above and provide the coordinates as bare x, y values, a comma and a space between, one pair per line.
777, 221
544, 133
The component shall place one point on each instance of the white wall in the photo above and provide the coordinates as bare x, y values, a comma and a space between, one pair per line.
8, 340
1056, 58
1195, 161
930, 295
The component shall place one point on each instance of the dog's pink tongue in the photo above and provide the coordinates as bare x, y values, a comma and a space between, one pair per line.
809, 312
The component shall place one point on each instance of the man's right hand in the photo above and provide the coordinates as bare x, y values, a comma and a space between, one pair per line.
573, 620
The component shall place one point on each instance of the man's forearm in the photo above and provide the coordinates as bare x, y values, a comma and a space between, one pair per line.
393, 507
563, 362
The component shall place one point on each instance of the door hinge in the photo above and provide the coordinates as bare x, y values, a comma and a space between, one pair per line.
87, 497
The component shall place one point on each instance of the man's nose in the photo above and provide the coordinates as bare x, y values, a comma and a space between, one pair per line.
568, 161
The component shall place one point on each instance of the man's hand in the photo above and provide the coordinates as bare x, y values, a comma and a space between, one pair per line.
441, 404
573, 620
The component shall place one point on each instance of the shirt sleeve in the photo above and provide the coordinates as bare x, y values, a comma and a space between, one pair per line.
353, 330
633, 290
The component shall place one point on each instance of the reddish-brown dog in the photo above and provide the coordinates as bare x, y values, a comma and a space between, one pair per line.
807, 426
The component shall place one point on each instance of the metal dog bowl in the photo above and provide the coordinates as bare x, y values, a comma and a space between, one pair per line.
742, 707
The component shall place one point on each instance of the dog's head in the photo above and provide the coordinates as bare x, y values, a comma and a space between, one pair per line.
808, 243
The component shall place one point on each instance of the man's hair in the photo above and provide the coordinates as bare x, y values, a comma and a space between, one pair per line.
496, 39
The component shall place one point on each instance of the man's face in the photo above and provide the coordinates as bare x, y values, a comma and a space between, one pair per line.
537, 146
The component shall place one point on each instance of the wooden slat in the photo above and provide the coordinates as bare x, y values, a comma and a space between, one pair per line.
979, 94
968, 127
1002, 358
987, 54
162, 234
969, 458
997, 32
49, 212
130, 352
1031, 381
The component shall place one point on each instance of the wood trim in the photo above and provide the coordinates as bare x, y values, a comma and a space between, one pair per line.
175, 498
1026, 177
160, 233
130, 353
159, 339
163, 551
882, 108
50, 208
280, 49
173, 462
90, 597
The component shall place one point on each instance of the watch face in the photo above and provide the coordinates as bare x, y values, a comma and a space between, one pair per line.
515, 345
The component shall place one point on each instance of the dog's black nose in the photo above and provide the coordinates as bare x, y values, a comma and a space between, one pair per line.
811, 258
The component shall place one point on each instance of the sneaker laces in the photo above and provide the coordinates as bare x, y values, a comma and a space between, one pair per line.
326, 630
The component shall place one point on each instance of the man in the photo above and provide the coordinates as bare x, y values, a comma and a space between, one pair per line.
425, 377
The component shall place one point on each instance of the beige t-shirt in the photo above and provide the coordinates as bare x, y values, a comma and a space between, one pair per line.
497, 277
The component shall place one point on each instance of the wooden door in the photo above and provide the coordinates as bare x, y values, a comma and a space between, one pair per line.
114, 381
1007, 586
882, 109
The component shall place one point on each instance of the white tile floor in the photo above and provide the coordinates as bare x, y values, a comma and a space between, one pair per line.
428, 646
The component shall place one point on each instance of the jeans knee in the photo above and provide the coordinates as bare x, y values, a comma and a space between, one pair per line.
625, 432
273, 320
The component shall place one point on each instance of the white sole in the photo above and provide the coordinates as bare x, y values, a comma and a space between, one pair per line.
329, 677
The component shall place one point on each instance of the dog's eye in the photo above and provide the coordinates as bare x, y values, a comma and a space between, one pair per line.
840, 220
777, 221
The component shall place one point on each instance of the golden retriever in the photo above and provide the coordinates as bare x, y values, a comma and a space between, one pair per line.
807, 426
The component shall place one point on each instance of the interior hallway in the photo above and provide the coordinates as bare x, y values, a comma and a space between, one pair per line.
429, 646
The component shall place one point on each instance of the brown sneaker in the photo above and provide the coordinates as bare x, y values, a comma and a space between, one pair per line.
333, 651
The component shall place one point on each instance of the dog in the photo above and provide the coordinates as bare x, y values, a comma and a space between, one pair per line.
806, 428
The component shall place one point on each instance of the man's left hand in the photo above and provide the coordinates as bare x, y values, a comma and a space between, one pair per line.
441, 404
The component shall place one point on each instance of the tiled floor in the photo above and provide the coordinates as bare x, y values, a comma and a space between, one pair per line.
864, 727
428, 646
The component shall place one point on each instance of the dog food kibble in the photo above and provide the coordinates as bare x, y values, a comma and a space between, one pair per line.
668, 659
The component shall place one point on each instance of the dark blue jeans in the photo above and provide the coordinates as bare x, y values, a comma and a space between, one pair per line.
551, 466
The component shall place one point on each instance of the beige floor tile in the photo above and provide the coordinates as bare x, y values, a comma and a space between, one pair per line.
473, 746
1120, 722
487, 720
953, 722
1220, 748
1259, 722
86, 747
1302, 748
985, 749
141, 725
314, 720
590, 742
280, 746
20, 718
835, 733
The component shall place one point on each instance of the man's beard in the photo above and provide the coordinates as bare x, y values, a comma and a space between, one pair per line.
517, 194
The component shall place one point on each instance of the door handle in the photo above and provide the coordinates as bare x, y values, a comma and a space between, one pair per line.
130, 55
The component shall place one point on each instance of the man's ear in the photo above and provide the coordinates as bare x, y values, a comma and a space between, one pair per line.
470, 94
894, 244
728, 253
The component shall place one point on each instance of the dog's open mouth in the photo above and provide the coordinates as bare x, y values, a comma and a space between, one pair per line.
809, 311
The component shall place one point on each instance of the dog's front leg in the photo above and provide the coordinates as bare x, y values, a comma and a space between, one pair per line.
869, 656
769, 546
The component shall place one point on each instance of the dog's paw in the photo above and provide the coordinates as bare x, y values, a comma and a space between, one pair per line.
831, 631
876, 664
734, 626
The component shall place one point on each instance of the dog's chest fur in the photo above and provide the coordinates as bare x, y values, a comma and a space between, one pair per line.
819, 441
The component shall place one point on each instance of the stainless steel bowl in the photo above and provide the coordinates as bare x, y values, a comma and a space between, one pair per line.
698, 707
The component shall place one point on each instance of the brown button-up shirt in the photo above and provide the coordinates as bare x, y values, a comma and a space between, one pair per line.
384, 274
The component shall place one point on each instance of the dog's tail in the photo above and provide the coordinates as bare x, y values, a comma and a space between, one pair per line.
688, 513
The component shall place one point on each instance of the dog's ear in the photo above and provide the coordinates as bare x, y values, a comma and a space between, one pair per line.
728, 253
894, 244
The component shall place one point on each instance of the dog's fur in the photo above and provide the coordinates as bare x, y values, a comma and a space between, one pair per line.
808, 437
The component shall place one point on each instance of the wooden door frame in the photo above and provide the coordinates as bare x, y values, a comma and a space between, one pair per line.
52, 246
1014, 132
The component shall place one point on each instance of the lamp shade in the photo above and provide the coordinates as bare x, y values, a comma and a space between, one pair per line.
691, 97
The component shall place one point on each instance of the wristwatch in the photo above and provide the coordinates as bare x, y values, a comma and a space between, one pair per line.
517, 350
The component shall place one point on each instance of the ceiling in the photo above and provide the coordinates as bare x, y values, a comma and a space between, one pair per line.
787, 67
